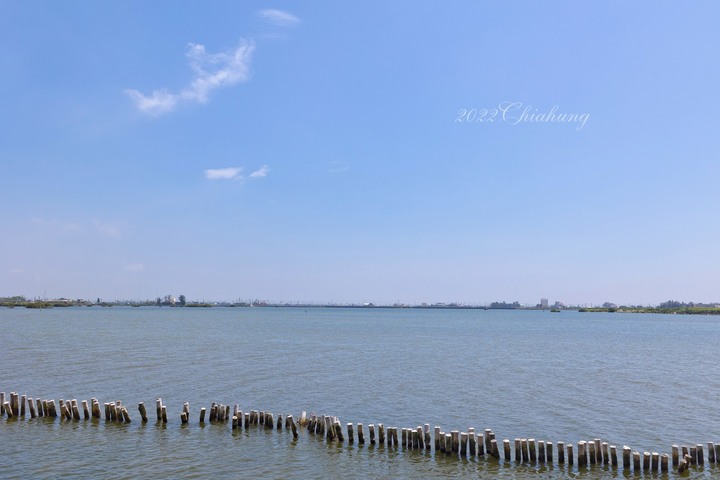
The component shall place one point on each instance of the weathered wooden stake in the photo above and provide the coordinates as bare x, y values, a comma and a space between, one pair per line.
381, 434
143, 412
292, 426
700, 454
655, 461
158, 407
426, 429
591, 453
361, 434
518, 450
711, 452
448, 444
682, 466
126, 415
8, 409
41, 411
531, 445
31, 406
472, 442
664, 462
561, 452
506, 449
598, 451
371, 428
480, 445
525, 450
22, 405
613, 455
636, 462
693, 455
582, 455
338, 431
605, 454
2, 403
164, 414
75, 410
570, 454
463, 444
541, 451
202, 415
421, 441
549, 451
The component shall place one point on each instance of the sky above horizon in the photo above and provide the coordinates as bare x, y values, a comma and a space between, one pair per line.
360, 151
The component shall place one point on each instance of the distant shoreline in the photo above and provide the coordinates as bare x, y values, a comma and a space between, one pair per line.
41, 304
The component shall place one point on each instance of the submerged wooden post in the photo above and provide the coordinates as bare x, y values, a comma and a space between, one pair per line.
426, 429
682, 466
561, 452
700, 454
570, 454
693, 455
381, 433
350, 433
75, 409
711, 452
480, 445
31, 406
655, 461
361, 434
613, 455
279, 422
531, 445
518, 451
23, 399
39, 403
164, 414
598, 451
525, 451
626, 457
605, 454
158, 407
421, 441
549, 451
664, 462
437, 438
126, 415
463, 444
636, 461
506, 449
338, 431
541, 451
591, 453
143, 412
2, 403
202, 415
371, 428
8, 409
448, 444
292, 426
582, 455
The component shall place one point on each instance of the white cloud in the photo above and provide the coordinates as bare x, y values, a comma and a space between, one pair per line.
134, 267
262, 172
337, 167
223, 173
278, 17
212, 71
16, 271
109, 229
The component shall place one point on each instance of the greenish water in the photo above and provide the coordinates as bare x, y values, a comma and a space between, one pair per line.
647, 381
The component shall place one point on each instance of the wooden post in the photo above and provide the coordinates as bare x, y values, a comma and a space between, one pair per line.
143, 412
303, 418
75, 409
525, 451
96, 408
693, 455
472, 442
518, 451
506, 449
549, 451
39, 403
22, 405
598, 451
605, 454
448, 443
531, 445
234, 420
293, 427
541, 451
371, 428
395, 437
675, 456
164, 414
361, 434
279, 422
2, 403
582, 456
350, 433
655, 461
463, 443
437, 438
455, 436
481, 444
494, 449
381, 434
31, 406
570, 454
711, 452
247, 419
636, 462
489, 435
426, 429
682, 466
338, 431
613, 455
700, 454
158, 408
664, 462
561, 452
717, 452
126, 415
591, 453
405, 437
202, 415
8, 409
421, 440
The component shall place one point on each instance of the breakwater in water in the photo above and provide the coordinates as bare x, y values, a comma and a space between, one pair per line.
467, 444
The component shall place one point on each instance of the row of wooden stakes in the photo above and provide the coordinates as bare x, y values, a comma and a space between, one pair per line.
463, 444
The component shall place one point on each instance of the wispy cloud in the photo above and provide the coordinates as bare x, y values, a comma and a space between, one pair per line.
212, 71
229, 173
16, 271
109, 229
337, 167
262, 172
134, 267
278, 17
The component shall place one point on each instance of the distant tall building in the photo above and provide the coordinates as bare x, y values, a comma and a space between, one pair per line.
544, 302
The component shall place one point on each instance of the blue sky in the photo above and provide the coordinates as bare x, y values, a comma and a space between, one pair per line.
321, 151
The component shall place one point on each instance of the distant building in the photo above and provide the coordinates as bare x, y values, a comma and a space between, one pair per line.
543, 303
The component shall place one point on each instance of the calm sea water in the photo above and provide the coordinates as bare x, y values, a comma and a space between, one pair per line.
647, 381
